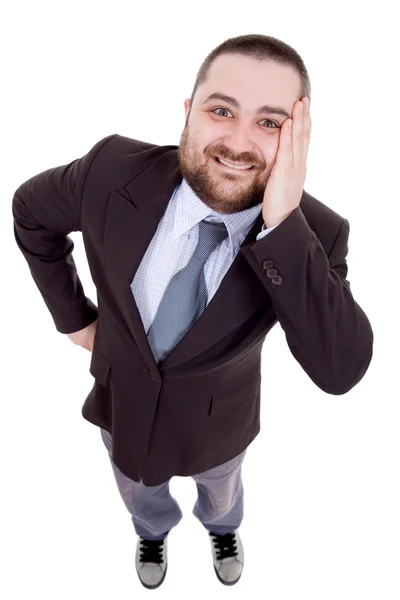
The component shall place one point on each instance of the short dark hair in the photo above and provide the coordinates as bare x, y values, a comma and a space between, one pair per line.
262, 47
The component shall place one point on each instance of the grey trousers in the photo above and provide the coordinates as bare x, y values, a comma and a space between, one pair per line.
154, 512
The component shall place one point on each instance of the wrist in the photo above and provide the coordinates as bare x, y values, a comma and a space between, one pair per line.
275, 221
269, 224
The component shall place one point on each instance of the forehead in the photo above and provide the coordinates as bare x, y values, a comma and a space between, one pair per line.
251, 81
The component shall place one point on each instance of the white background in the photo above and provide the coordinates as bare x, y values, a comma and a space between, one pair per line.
322, 478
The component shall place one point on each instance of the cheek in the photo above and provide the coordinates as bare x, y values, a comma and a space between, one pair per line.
270, 152
209, 147
201, 141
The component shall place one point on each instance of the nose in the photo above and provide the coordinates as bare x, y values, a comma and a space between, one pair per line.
239, 145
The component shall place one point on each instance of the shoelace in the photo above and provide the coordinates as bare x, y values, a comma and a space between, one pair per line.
151, 551
225, 544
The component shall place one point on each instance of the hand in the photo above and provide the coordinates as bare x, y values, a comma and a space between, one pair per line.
84, 337
285, 184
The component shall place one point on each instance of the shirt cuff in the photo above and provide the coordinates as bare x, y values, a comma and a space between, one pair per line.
265, 231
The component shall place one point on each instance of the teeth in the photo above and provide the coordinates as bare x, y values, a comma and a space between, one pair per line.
234, 166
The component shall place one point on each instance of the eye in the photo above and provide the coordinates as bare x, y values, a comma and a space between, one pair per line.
220, 109
267, 120
273, 123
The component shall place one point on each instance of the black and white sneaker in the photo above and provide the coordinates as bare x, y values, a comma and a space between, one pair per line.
228, 556
151, 561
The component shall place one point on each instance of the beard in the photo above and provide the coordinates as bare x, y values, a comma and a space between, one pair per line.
220, 190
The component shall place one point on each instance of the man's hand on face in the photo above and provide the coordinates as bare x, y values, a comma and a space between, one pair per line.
285, 184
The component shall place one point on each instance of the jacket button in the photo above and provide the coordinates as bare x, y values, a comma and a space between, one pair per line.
154, 378
267, 264
277, 280
272, 273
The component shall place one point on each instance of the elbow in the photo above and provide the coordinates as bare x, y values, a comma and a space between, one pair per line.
347, 375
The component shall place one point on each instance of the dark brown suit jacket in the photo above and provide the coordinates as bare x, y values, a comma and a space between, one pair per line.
201, 406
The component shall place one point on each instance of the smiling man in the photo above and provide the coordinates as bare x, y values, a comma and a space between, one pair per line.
228, 120
196, 252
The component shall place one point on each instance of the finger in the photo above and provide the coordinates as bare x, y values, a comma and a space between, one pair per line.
297, 134
285, 143
306, 130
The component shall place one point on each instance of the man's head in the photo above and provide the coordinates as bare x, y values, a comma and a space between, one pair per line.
254, 71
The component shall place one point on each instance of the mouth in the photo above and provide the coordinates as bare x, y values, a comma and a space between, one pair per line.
237, 169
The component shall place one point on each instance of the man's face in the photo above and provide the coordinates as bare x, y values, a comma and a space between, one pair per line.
238, 135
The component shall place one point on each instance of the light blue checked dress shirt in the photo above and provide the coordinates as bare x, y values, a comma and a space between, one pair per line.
175, 241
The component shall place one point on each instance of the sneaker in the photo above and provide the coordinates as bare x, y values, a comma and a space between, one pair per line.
228, 556
151, 561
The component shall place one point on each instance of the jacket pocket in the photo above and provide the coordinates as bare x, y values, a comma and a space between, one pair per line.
99, 366
237, 396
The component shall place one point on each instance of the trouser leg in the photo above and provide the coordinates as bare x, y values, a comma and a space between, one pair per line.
220, 503
154, 512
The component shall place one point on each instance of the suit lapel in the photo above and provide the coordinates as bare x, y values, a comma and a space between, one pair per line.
133, 215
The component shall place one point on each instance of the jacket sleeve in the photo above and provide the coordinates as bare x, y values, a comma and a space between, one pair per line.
46, 208
327, 332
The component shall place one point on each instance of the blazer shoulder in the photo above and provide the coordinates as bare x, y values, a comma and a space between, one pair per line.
322, 219
314, 207
123, 145
123, 158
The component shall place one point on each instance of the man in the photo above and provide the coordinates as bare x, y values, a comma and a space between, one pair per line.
196, 253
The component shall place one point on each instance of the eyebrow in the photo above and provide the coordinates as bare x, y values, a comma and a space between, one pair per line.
272, 110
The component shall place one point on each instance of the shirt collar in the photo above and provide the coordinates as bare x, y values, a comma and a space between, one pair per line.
190, 210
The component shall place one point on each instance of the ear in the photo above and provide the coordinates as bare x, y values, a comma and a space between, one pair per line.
187, 108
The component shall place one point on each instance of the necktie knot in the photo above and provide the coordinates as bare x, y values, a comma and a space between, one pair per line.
211, 234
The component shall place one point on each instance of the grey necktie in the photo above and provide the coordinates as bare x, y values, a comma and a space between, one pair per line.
185, 298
